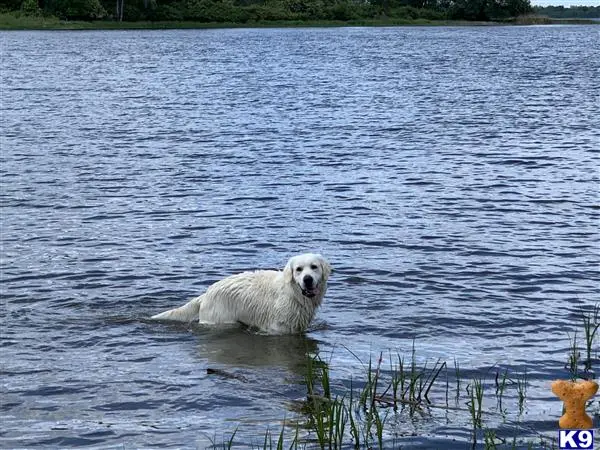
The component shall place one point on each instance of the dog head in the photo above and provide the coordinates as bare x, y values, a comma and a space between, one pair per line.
310, 272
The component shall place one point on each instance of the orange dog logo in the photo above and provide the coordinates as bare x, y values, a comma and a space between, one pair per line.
575, 395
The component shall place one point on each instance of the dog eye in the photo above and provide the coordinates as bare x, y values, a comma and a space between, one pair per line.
313, 266
298, 269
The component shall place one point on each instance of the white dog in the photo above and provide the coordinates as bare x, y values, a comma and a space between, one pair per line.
275, 302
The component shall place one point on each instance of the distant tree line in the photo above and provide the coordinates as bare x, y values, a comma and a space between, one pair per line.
574, 12
248, 11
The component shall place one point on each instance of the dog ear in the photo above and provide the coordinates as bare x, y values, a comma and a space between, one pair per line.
326, 268
288, 271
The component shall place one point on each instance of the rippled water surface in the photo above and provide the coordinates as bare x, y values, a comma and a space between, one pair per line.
450, 175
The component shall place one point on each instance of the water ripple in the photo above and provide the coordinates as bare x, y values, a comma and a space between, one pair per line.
449, 174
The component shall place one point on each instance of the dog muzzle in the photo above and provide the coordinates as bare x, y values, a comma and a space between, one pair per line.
310, 293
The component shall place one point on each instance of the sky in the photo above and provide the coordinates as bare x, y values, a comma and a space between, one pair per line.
565, 2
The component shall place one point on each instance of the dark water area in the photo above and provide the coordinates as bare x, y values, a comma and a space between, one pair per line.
450, 175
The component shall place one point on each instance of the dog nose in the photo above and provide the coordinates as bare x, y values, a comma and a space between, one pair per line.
308, 281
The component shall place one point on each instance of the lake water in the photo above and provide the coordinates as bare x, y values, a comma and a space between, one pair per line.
450, 175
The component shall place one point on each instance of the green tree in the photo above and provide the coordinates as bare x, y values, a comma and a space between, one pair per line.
212, 11
469, 10
518, 7
30, 8
76, 9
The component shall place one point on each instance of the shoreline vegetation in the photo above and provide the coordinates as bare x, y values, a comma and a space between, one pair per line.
15, 22
187, 14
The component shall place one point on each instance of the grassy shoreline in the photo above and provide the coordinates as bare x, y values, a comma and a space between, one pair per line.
16, 21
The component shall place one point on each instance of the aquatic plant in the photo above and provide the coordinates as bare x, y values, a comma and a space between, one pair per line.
522, 390
336, 415
573, 356
500, 387
591, 323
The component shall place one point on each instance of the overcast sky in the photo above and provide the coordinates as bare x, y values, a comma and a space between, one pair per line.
565, 2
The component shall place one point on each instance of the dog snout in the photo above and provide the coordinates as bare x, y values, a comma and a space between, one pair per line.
308, 281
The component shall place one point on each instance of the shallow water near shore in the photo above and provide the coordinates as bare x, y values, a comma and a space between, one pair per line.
450, 175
